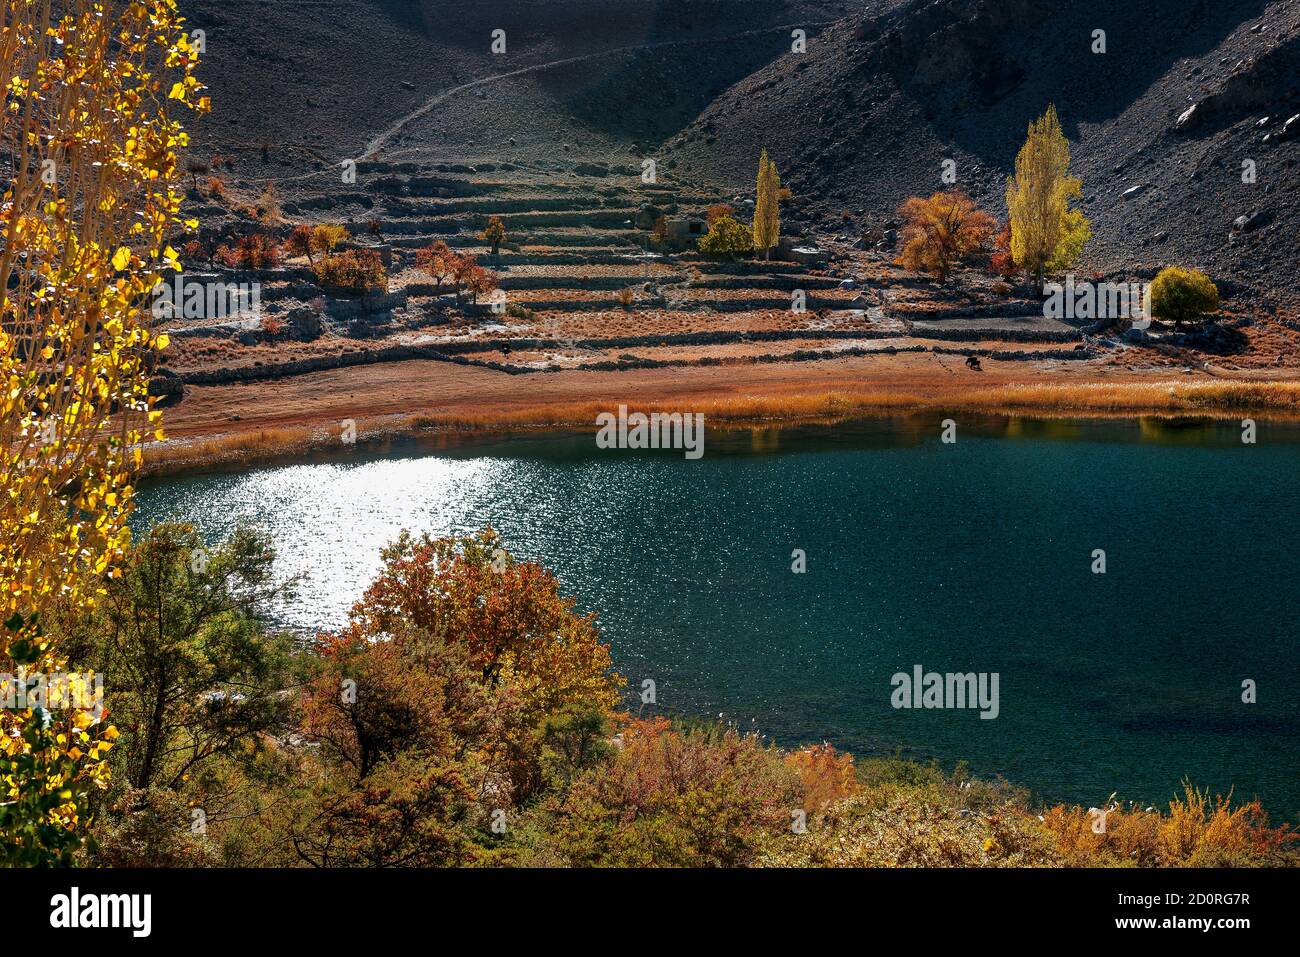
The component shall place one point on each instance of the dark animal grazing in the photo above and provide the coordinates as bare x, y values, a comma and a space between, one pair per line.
973, 363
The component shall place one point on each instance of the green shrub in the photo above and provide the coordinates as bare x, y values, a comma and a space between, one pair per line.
726, 237
1183, 295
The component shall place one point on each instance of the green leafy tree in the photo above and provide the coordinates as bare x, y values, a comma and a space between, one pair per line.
1183, 295
193, 675
727, 237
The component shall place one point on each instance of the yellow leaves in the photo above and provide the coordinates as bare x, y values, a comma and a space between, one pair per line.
111, 733
83, 294
767, 215
1045, 232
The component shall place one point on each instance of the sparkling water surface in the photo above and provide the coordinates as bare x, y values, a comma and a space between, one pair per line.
975, 556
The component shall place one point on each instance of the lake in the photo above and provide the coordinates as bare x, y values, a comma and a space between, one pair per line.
975, 556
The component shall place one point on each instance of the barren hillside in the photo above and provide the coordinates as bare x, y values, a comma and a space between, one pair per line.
885, 92
868, 115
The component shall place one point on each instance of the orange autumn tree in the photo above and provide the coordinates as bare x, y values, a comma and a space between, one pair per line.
940, 232
437, 261
516, 626
430, 707
413, 753
92, 192
494, 234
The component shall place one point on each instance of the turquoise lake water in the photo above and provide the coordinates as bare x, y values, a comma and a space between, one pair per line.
975, 556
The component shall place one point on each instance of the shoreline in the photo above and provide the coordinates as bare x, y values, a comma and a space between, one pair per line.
234, 426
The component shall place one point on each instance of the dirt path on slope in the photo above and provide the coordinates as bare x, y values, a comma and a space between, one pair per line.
378, 142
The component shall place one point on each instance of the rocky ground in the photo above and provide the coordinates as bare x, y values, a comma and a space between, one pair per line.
552, 140
1160, 123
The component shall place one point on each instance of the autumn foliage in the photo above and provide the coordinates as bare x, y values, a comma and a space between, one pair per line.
323, 238
353, 269
668, 797
94, 92
1002, 263
252, 251
467, 715
443, 264
494, 234
940, 232
827, 775
429, 707
1197, 831
1047, 232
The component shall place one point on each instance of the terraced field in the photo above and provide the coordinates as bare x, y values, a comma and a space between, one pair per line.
582, 286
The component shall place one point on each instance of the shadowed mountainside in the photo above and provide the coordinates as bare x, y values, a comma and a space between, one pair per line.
867, 116
886, 91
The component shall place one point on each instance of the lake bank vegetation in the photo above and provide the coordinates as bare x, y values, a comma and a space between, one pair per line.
467, 715
1171, 398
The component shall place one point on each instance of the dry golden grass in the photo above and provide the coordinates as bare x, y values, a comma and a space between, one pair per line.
170, 457
1090, 399
1083, 399
1172, 396
1197, 831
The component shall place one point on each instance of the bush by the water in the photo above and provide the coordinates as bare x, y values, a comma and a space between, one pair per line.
467, 714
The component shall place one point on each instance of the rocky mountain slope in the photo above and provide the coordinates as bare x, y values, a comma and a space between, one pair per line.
319, 81
869, 114
884, 93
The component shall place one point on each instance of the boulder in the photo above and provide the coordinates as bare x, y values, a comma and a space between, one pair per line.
1189, 119
1249, 222
647, 215
305, 323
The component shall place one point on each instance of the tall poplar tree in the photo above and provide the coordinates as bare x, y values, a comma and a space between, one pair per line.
767, 215
1046, 234
90, 197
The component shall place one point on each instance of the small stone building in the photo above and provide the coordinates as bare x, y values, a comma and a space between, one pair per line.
683, 230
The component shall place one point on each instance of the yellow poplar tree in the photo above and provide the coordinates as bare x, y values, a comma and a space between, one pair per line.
92, 192
1046, 234
767, 214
